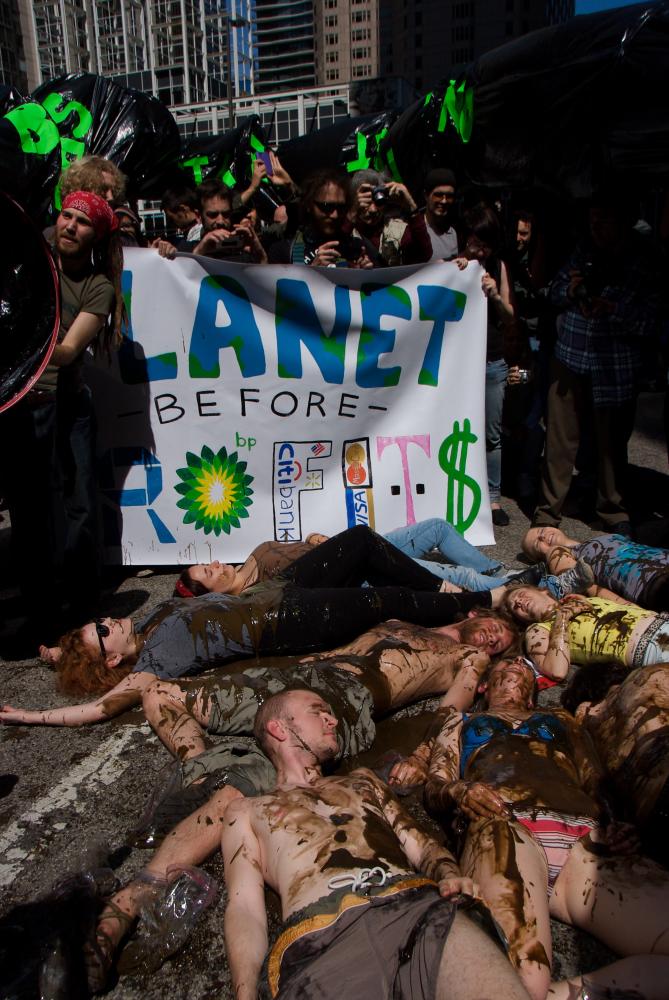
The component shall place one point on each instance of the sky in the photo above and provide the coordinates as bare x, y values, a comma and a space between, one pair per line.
590, 6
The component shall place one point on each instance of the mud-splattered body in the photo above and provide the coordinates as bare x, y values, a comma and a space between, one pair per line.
336, 826
607, 631
539, 766
631, 734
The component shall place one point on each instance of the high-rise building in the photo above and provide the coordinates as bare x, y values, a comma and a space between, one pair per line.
13, 69
428, 41
347, 40
178, 50
284, 45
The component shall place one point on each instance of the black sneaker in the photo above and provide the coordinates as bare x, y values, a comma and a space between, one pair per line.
500, 518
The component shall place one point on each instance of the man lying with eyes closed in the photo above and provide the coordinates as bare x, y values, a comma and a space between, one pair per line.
369, 900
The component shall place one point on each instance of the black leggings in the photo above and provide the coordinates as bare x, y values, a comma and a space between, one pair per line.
356, 556
323, 618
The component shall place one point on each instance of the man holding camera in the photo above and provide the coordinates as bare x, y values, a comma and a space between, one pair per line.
224, 236
608, 292
387, 216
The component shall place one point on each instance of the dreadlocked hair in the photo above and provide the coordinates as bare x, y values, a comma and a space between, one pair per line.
81, 670
108, 260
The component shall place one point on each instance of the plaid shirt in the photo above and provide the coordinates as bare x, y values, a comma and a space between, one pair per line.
613, 349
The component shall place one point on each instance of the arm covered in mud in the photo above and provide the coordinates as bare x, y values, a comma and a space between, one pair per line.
460, 696
444, 787
125, 695
414, 770
427, 856
245, 923
550, 651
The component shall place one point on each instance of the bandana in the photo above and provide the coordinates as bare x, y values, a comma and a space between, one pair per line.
181, 590
96, 208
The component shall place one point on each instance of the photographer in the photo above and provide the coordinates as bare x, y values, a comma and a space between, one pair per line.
324, 238
387, 216
226, 234
608, 293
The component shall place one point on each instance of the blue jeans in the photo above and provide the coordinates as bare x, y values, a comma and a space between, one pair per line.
495, 386
462, 576
417, 540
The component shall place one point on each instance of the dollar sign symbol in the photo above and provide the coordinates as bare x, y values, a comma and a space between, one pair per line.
453, 461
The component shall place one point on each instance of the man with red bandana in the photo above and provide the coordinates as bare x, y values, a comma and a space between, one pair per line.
48, 436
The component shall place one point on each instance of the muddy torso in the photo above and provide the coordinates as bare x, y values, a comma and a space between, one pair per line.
309, 835
529, 761
415, 662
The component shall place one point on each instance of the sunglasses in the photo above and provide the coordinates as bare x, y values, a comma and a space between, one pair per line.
330, 207
102, 631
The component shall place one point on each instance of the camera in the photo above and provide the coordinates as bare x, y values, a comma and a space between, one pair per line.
380, 194
350, 248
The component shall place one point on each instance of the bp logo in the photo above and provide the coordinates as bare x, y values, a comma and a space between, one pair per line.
215, 491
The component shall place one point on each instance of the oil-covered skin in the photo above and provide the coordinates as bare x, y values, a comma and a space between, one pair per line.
630, 729
511, 772
603, 630
336, 826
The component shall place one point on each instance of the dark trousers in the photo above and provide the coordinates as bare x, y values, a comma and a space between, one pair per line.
570, 410
49, 481
321, 618
356, 556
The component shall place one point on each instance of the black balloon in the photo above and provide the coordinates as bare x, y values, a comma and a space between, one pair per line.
29, 304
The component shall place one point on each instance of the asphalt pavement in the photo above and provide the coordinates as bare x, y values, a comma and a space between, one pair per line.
65, 792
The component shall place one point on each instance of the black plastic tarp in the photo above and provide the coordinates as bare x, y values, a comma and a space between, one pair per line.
566, 106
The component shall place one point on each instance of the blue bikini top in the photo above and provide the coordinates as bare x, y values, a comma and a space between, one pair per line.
478, 730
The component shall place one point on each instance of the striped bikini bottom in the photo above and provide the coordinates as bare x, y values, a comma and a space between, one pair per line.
557, 833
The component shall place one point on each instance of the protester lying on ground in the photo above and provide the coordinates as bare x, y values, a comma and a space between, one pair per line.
540, 842
306, 719
347, 559
637, 572
627, 717
270, 559
397, 660
417, 936
578, 630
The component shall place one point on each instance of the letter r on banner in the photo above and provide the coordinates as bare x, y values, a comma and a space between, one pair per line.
119, 464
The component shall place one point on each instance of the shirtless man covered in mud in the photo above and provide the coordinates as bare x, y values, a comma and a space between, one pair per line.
343, 857
627, 717
527, 781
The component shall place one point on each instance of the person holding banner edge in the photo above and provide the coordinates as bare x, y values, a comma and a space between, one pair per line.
48, 436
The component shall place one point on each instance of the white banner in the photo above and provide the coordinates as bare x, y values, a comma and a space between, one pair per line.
254, 402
